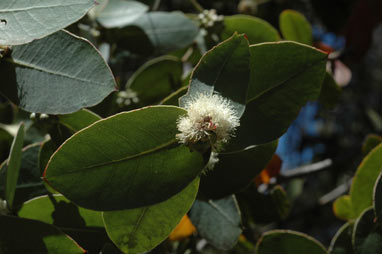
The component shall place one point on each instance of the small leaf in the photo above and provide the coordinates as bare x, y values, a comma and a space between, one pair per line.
343, 208
257, 30
342, 240
218, 221
146, 166
119, 13
18, 235
288, 242
140, 230
235, 171
284, 77
58, 74
13, 166
224, 70
156, 79
295, 27
26, 21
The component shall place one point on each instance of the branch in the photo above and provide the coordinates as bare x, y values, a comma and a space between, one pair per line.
305, 170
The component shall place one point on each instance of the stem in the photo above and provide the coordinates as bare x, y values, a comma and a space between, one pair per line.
197, 6
306, 170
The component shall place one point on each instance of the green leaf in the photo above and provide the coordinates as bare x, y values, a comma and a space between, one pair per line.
156, 79
78, 120
361, 191
59, 211
288, 242
13, 166
367, 234
295, 27
140, 230
173, 99
19, 235
119, 13
342, 240
29, 183
59, 74
167, 31
284, 77
5, 144
225, 70
330, 92
257, 30
377, 198
235, 171
26, 21
370, 142
343, 208
148, 165
218, 221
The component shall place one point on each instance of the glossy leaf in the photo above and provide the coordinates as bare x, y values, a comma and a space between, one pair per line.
148, 165
367, 235
288, 242
13, 166
342, 240
119, 13
295, 27
78, 120
343, 208
257, 30
377, 198
224, 70
18, 235
141, 229
284, 77
59, 211
156, 79
235, 171
26, 21
59, 74
218, 221
173, 98
330, 92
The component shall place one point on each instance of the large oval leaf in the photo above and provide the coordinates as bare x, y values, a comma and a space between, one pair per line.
57, 210
128, 160
141, 229
284, 77
19, 235
225, 70
235, 171
288, 242
59, 74
28, 20
118, 13
257, 30
342, 240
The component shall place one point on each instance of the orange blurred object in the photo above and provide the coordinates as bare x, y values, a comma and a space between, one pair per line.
271, 170
183, 230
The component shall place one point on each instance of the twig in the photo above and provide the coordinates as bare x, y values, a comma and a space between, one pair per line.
197, 5
335, 193
305, 170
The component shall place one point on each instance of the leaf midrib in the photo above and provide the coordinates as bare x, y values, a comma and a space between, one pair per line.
285, 81
111, 162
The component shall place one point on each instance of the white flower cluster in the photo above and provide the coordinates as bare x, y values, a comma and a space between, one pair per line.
209, 118
127, 97
209, 17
